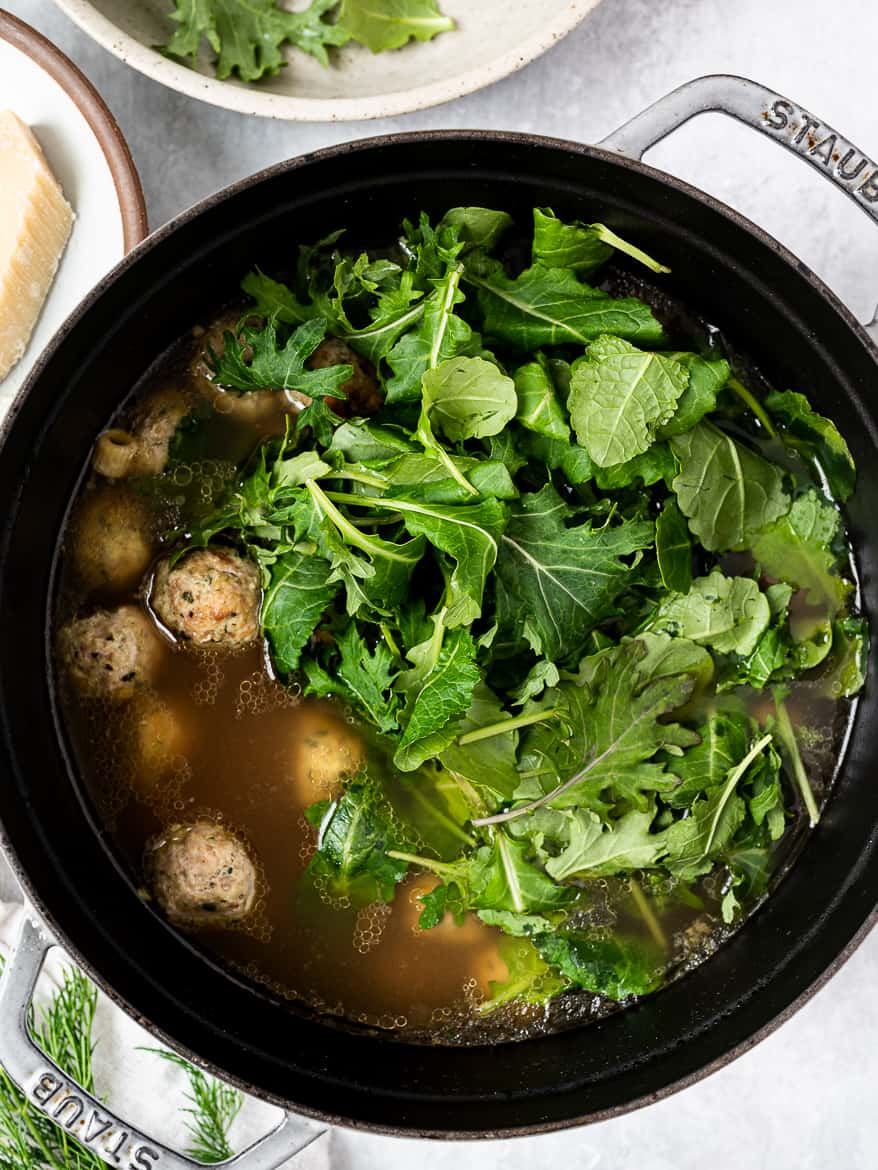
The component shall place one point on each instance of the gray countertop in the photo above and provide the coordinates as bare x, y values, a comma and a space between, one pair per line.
804, 1098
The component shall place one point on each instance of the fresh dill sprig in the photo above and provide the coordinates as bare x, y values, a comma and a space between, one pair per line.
28, 1139
213, 1108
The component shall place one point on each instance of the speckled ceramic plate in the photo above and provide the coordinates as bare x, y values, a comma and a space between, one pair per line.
89, 156
493, 38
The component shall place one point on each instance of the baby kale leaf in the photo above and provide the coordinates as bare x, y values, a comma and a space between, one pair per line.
694, 843
538, 407
603, 964
440, 334
612, 722
468, 398
475, 227
727, 491
487, 765
619, 395
673, 548
725, 738
558, 582
362, 676
815, 437
728, 614
355, 851
438, 691
578, 246
550, 306
298, 593
391, 23
529, 979
797, 548
247, 36
707, 376
596, 849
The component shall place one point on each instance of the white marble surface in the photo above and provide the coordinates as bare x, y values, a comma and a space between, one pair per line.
804, 1099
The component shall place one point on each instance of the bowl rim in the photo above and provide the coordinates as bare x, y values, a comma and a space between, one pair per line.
249, 99
129, 191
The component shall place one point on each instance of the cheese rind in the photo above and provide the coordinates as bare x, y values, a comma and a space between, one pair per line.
35, 224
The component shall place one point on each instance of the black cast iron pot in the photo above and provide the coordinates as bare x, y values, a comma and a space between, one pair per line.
736, 276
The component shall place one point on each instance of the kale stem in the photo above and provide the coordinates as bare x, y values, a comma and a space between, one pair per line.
787, 737
378, 481
389, 639
752, 402
505, 725
348, 530
648, 914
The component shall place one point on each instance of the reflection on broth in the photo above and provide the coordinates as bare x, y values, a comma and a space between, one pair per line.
219, 782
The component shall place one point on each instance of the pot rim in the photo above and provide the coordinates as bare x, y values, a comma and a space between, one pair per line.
157, 238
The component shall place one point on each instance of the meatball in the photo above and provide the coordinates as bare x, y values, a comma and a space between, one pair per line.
161, 736
112, 653
200, 874
363, 395
325, 750
111, 540
211, 596
253, 406
155, 425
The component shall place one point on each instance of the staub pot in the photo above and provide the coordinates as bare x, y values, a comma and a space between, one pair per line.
739, 278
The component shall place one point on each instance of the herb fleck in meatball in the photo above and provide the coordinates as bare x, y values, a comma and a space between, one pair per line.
211, 596
111, 540
324, 751
200, 874
363, 395
112, 653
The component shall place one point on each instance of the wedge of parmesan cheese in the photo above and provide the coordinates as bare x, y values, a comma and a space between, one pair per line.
35, 223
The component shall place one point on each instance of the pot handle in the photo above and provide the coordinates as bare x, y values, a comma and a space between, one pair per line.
771, 114
79, 1113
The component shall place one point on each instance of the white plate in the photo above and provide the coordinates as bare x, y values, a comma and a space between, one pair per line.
86, 151
492, 40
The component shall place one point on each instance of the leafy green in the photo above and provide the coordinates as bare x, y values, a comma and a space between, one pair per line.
559, 582
538, 407
362, 676
673, 549
439, 689
529, 978
604, 964
619, 395
487, 766
298, 593
817, 438
355, 858
729, 614
388, 24
247, 36
797, 549
550, 306
707, 376
468, 398
580, 247
595, 849
727, 491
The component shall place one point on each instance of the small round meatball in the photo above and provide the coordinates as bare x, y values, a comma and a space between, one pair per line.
112, 653
211, 596
111, 540
161, 736
325, 750
252, 406
155, 425
363, 395
200, 874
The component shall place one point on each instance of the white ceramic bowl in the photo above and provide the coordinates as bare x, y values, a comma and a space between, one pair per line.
492, 40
